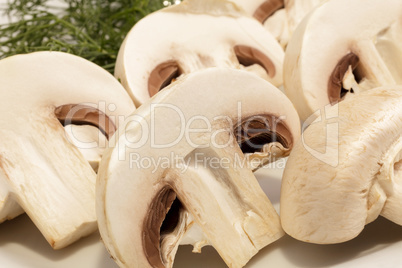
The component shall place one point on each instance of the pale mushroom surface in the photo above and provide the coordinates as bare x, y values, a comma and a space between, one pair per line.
329, 59
346, 169
41, 171
279, 17
161, 187
194, 35
271, 13
297, 10
89, 140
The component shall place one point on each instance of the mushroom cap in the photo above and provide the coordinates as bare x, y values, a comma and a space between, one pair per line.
277, 25
193, 35
340, 174
133, 197
43, 172
271, 13
297, 10
322, 40
279, 17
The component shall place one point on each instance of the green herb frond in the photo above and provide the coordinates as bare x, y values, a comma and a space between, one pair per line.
92, 29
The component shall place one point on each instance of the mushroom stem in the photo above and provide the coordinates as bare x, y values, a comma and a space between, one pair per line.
9, 209
372, 64
236, 225
169, 243
58, 185
187, 232
390, 178
328, 202
194, 235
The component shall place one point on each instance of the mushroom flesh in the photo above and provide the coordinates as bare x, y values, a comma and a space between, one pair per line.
201, 34
279, 17
329, 59
270, 13
42, 173
346, 169
175, 175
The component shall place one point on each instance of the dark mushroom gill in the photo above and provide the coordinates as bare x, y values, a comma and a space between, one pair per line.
162, 76
162, 218
267, 9
254, 132
248, 56
336, 91
79, 114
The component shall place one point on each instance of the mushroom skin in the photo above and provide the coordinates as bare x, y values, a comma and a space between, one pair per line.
89, 140
201, 34
345, 170
297, 10
41, 171
279, 17
270, 13
223, 203
322, 40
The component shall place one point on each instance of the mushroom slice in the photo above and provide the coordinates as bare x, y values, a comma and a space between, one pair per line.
87, 128
297, 10
346, 169
201, 34
42, 172
89, 140
9, 208
271, 14
279, 17
328, 58
177, 174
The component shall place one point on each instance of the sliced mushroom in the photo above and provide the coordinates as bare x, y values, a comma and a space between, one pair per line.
279, 17
196, 34
41, 172
297, 10
89, 140
87, 128
267, 8
346, 169
330, 58
9, 208
271, 14
161, 187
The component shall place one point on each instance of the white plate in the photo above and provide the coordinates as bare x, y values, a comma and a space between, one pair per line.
21, 246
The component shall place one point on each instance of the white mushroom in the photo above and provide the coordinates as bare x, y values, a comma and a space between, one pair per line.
271, 14
9, 208
343, 47
297, 10
176, 174
279, 17
346, 169
196, 34
40, 170
89, 140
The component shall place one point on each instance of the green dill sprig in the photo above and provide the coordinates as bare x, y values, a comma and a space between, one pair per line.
92, 29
